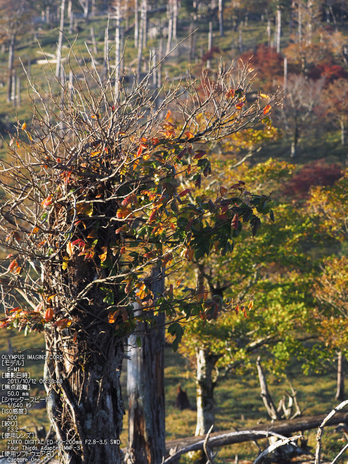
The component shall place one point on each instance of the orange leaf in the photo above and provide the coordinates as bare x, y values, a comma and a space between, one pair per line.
95, 153
168, 115
123, 212
240, 105
154, 141
112, 317
13, 264
230, 93
47, 202
24, 126
266, 109
48, 314
189, 135
62, 323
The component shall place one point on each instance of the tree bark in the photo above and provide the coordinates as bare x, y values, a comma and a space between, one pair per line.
206, 382
145, 386
340, 377
82, 377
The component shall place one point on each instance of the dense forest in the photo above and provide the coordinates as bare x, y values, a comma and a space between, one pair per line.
173, 229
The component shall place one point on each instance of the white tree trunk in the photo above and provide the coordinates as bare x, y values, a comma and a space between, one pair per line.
221, 18
206, 381
340, 377
60, 39
145, 386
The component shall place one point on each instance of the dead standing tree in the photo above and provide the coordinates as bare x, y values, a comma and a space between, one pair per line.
92, 202
13, 22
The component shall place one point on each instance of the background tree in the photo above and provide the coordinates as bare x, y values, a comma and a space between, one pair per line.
14, 21
92, 204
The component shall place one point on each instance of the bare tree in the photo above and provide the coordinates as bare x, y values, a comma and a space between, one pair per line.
14, 21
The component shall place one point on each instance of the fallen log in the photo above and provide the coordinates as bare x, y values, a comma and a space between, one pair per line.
284, 428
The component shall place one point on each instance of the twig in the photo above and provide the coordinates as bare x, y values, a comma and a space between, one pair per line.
205, 446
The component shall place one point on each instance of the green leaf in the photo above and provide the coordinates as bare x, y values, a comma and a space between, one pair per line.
271, 215
138, 341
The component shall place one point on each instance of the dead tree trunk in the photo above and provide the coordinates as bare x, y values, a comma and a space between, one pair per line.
340, 377
60, 39
117, 51
11, 49
221, 18
170, 26
279, 27
145, 385
266, 397
206, 382
136, 23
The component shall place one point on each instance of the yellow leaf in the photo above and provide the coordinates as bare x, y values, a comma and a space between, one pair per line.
95, 153
84, 208
24, 126
65, 263
264, 95
51, 297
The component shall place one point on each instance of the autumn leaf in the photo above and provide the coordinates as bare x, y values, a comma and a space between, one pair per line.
153, 215
240, 105
13, 265
112, 317
104, 255
65, 263
235, 222
70, 249
24, 126
199, 154
85, 208
63, 323
230, 93
266, 109
48, 314
263, 95
184, 192
223, 191
168, 115
95, 153
123, 212
47, 202
189, 135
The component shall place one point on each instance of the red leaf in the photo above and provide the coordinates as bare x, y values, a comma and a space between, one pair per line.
184, 192
266, 109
